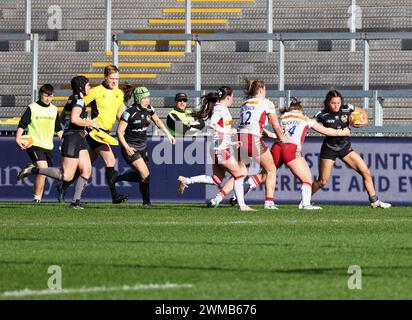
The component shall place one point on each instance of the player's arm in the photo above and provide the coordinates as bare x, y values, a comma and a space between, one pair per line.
273, 121
214, 124
58, 127
174, 123
330, 131
269, 134
121, 128
159, 123
120, 112
62, 117
24, 122
75, 118
121, 108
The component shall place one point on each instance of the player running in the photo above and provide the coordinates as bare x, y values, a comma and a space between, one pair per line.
41, 119
254, 113
215, 107
289, 152
336, 115
74, 147
132, 132
106, 101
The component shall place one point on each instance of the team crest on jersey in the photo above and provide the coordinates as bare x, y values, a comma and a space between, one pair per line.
344, 118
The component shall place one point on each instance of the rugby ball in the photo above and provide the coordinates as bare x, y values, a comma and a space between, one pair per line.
28, 141
358, 118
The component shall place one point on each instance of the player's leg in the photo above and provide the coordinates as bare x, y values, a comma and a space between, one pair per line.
238, 173
325, 170
300, 169
257, 179
72, 144
105, 152
85, 170
184, 182
266, 162
223, 192
39, 183
218, 175
354, 161
142, 169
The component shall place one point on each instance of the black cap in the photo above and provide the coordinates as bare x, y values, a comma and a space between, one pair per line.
79, 84
181, 96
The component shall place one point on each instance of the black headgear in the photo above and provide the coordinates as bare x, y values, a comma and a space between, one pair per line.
79, 84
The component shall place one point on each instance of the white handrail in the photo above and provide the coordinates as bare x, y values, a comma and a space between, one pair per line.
27, 24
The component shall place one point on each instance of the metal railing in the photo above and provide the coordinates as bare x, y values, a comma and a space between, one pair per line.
34, 46
188, 24
281, 38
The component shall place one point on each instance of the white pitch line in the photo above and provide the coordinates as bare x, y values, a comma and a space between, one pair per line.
207, 223
30, 292
128, 223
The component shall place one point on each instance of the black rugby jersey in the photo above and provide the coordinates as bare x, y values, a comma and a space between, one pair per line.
336, 120
138, 120
74, 101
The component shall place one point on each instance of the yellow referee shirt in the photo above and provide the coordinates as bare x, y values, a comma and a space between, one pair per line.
105, 104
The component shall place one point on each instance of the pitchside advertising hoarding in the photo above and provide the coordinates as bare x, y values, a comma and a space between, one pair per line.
389, 159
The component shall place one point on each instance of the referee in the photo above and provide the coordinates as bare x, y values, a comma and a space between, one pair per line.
106, 101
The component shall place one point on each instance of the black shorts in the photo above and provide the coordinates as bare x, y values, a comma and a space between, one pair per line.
141, 153
327, 152
72, 143
93, 143
40, 154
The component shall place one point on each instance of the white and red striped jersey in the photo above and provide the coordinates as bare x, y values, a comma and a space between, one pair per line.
253, 115
295, 125
221, 121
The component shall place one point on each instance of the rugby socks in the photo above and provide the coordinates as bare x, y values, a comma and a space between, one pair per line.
145, 191
238, 186
55, 173
254, 181
110, 175
268, 201
37, 197
78, 190
200, 179
66, 184
130, 176
220, 196
373, 199
306, 190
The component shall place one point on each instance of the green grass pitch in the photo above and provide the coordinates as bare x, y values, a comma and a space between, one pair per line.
181, 251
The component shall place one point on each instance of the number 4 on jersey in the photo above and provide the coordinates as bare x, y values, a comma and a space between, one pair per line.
291, 131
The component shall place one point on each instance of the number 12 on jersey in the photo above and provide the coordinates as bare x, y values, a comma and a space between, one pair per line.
245, 118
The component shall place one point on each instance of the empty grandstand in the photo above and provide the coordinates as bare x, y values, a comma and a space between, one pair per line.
72, 41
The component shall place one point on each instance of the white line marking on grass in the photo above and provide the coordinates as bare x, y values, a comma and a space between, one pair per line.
29, 292
129, 223
305, 220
